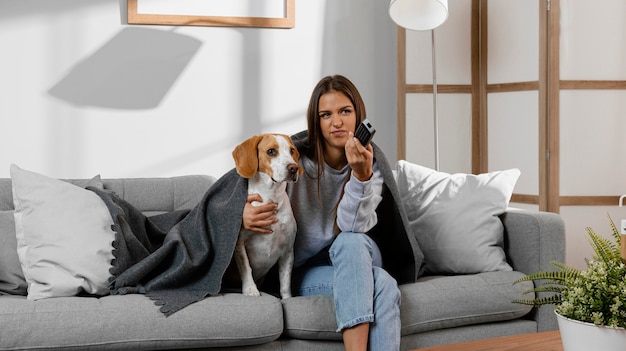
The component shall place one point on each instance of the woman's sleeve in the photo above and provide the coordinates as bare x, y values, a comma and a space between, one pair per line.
357, 208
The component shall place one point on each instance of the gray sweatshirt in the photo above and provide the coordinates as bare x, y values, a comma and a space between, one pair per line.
315, 211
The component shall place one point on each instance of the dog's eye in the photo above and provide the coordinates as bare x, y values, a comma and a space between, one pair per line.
293, 150
271, 152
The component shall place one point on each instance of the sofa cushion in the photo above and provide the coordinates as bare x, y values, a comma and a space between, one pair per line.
438, 302
158, 195
432, 303
64, 236
300, 323
455, 217
133, 322
12, 279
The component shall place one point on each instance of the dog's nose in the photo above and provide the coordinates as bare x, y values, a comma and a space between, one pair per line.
292, 171
292, 168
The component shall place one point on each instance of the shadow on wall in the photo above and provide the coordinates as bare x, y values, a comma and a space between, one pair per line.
134, 70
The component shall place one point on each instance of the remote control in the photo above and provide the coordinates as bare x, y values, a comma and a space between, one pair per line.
364, 132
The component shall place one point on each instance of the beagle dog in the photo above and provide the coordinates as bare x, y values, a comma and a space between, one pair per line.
268, 161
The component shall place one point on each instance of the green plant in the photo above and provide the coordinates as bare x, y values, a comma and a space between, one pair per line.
595, 295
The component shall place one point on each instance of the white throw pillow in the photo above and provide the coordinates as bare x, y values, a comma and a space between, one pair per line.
64, 236
455, 217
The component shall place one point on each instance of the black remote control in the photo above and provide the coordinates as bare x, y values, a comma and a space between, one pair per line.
364, 132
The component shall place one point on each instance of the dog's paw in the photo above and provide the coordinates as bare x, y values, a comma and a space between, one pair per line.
285, 296
251, 291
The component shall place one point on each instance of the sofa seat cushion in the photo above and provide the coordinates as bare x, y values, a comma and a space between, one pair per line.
432, 303
438, 302
133, 322
302, 323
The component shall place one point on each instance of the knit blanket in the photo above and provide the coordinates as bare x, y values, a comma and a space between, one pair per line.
180, 257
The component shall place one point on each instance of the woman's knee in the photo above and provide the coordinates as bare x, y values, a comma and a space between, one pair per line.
349, 239
350, 243
356, 245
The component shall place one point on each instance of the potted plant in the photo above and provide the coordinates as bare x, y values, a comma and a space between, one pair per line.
591, 300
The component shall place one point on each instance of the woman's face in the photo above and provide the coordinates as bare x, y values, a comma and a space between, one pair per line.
337, 119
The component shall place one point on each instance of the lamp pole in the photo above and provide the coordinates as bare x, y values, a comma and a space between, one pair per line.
435, 115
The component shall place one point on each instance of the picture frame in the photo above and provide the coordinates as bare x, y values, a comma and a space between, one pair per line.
241, 19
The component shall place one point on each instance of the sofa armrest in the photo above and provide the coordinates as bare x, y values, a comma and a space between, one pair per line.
532, 239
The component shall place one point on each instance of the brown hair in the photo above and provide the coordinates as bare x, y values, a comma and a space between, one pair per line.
314, 147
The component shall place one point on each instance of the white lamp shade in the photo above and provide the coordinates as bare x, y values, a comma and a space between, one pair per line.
418, 14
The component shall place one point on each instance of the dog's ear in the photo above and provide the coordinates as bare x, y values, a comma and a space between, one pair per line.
296, 154
246, 157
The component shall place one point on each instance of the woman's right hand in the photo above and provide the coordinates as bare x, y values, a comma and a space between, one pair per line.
360, 158
258, 218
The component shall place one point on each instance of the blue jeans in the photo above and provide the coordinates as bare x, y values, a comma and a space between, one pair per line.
363, 292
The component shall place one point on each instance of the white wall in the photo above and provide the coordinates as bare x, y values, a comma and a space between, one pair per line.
83, 94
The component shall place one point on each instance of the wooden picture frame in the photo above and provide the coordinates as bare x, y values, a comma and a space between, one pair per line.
288, 21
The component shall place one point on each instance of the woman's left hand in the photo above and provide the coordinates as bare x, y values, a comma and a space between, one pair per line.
360, 158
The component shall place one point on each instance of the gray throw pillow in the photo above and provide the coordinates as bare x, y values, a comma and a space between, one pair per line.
455, 217
12, 280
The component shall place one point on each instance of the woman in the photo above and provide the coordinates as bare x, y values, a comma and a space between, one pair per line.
335, 204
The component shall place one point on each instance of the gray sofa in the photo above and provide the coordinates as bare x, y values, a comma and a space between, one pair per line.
435, 310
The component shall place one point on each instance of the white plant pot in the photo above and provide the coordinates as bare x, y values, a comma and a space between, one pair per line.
581, 336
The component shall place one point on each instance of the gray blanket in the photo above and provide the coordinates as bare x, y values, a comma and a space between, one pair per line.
181, 257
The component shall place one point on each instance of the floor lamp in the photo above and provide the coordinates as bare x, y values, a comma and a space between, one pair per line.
423, 15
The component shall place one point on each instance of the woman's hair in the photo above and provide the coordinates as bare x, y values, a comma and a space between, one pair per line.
315, 145
314, 148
